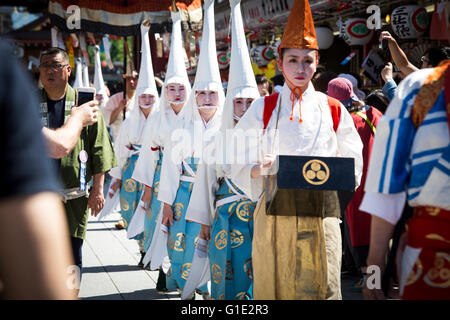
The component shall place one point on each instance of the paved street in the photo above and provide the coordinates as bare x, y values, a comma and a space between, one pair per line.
110, 269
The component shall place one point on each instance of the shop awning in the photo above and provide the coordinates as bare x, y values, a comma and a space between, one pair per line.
121, 17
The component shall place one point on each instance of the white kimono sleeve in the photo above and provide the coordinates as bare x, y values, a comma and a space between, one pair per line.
121, 151
248, 156
201, 204
170, 176
144, 171
349, 143
116, 173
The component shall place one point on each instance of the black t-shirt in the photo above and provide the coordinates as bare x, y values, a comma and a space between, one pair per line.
55, 111
25, 167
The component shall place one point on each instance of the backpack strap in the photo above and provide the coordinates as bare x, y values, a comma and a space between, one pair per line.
335, 109
366, 118
270, 102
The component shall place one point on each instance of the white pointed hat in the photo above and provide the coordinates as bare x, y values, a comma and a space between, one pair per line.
208, 75
85, 74
146, 83
241, 79
78, 74
176, 68
99, 84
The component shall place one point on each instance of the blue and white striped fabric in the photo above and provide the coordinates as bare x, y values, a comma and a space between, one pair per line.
408, 160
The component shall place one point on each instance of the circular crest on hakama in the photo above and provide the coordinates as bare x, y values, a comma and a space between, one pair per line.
236, 238
180, 242
178, 211
129, 185
231, 208
221, 240
185, 270
243, 210
216, 273
124, 204
439, 275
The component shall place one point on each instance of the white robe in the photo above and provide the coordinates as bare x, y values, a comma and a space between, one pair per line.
201, 206
315, 136
131, 132
155, 136
191, 141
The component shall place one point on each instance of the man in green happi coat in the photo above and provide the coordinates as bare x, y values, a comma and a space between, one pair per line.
91, 156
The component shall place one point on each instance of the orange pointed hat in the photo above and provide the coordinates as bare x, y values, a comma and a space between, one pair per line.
299, 32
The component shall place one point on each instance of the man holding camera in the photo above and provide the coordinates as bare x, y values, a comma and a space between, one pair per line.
91, 156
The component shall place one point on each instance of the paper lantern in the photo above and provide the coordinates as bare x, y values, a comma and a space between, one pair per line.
229, 55
324, 37
355, 32
262, 55
223, 60
409, 22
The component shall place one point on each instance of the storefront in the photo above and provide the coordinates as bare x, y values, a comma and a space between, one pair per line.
345, 41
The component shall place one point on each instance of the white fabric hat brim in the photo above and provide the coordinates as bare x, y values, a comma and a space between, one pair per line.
99, 84
175, 73
146, 84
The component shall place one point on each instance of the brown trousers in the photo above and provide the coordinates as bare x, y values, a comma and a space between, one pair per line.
296, 257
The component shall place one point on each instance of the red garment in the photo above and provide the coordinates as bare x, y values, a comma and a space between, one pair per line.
429, 229
270, 103
359, 221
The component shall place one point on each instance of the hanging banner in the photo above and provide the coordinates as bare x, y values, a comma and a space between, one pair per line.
222, 23
372, 65
262, 12
114, 17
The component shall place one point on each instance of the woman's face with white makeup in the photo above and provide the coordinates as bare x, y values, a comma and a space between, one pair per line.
207, 101
146, 100
241, 105
176, 92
